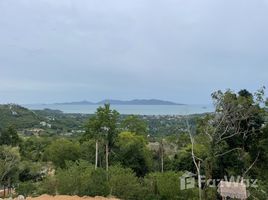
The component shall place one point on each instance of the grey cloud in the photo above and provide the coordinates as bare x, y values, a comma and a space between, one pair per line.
176, 49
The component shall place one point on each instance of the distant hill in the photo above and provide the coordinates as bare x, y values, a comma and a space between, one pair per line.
23, 118
18, 116
120, 102
76, 103
138, 102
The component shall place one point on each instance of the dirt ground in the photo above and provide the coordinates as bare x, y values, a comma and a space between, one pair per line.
65, 197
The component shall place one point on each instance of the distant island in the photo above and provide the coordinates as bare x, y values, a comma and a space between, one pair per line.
76, 103
121, 102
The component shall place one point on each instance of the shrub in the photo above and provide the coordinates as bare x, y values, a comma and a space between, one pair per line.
166, 186
26, 188
80, 178
124, 184
62, 150
48, 186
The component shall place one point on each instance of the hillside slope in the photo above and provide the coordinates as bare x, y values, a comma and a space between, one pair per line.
18, 116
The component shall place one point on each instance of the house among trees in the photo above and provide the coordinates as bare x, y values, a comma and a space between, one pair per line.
232, 190
34, 131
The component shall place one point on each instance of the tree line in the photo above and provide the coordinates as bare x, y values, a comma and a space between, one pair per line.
118, 158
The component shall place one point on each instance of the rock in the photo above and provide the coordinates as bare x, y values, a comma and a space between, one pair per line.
20, 197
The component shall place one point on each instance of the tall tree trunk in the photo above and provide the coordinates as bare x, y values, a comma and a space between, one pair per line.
9, 186
162, 163
107, 160
199, 181
197, 165
162, 156
96, 155
107, 156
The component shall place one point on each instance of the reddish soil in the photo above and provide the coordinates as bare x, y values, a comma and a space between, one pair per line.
65, 197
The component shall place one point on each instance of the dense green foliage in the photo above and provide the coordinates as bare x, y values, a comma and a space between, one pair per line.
232, 141
9, 137
17, 116
132, 152
62, 150
55, 122
134, 124
63, 122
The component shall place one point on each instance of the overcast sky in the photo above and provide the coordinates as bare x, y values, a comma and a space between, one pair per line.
178, 50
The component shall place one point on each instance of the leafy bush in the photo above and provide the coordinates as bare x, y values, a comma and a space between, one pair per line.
124, 183
97, 183
133, 153
26, 188
62, 150
30, 171
48, 186
80, 178
166, 186
88, 151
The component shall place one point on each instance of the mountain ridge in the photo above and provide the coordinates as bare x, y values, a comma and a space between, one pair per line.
122, 102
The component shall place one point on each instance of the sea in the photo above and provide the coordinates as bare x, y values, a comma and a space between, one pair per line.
129, 109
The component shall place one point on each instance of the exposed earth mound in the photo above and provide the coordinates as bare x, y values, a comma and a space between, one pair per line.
65, 197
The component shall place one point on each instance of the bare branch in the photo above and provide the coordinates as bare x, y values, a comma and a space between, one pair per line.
197, 165
251, 164
192, 143
229, 136
229, 151
206, 132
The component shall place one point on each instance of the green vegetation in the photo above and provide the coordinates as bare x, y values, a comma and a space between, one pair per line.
9, 136
134, 124
131, 151
17, 116
130, 157
49, 122
61, 150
